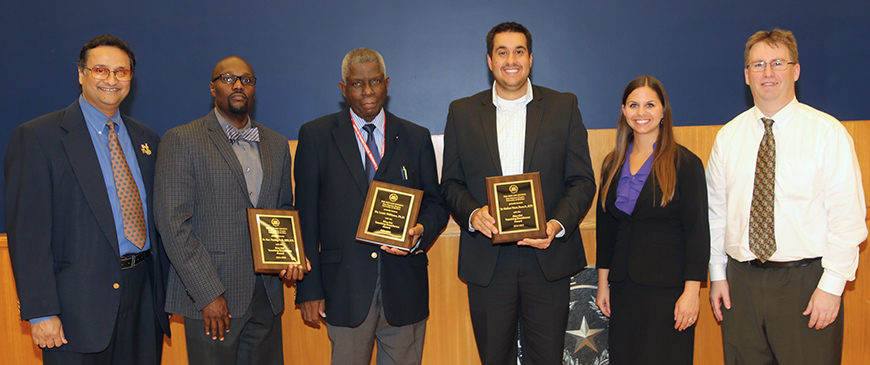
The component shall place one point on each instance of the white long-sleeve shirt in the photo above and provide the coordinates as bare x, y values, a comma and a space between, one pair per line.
819, 208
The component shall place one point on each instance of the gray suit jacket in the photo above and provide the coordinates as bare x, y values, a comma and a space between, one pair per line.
201, 199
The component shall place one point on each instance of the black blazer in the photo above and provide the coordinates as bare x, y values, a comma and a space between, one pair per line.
331, 187
62, 238
556, 146
658, 246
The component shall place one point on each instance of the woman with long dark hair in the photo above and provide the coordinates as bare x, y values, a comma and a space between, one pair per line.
653, 234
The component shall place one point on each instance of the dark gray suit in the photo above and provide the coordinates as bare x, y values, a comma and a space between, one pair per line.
200, 207
201, 201
556, 146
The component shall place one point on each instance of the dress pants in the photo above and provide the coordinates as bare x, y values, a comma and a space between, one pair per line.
765, 324
138, 338
396, 345
519, 294
254, 339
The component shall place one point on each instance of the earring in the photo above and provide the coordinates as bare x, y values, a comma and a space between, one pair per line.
662, 122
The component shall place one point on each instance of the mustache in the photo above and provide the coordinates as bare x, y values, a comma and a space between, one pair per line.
239, 94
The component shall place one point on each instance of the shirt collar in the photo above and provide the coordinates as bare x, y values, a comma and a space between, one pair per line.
224, 123
379, 120
95, 118
781, 118
503, 104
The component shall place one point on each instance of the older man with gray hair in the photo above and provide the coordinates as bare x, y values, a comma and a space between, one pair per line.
362, 291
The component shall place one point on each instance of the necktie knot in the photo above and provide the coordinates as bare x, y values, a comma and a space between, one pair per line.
768, 123
250, 134
370, 128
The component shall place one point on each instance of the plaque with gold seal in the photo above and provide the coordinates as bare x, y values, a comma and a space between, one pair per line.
388, 213
517, 205
276, 239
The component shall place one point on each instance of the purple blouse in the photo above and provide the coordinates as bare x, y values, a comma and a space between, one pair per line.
630, 185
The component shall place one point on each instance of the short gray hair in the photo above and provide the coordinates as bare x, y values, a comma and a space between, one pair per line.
361, 55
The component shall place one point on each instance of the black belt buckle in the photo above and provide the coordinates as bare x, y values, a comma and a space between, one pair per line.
129, 261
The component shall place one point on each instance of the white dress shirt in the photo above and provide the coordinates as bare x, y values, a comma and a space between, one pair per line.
819, 208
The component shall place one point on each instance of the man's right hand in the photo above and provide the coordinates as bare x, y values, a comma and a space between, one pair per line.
483, 222
312, 311
217, 316
720, 293
48, 333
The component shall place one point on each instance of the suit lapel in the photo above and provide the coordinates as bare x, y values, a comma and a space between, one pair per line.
267, 157
345, 141
488, 127
534, 120
86, 167
221, 143
391, 139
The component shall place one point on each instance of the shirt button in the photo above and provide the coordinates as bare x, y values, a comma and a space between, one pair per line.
374, 256
250, 193
248, 169
116, 285
243, 148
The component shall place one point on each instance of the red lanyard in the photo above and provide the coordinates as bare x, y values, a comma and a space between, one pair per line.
365, 145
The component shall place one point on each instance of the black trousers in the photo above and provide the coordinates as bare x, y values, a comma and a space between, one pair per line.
519, 294
138, 338
253, 339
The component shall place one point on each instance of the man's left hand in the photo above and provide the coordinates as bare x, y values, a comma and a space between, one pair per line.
553, 227
415, 232
822, 309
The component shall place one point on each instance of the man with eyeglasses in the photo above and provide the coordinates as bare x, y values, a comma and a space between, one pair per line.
209, 172
88, 263
365, 292
786, 217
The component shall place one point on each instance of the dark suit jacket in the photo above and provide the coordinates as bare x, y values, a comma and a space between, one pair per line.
556, 146
201, 210
62, 237
658, 246
331, 187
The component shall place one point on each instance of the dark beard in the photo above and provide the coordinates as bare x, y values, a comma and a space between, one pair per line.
242, 109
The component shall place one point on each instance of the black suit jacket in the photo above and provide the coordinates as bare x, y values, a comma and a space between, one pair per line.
658, 246
331, 187
62, 238
556, 146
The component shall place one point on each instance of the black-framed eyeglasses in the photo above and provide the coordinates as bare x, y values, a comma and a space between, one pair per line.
102, 73
230, 79
776, 65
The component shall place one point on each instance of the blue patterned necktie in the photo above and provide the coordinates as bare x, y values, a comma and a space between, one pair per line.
373, 147
762, 238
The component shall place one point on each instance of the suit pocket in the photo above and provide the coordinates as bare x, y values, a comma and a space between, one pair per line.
330, 256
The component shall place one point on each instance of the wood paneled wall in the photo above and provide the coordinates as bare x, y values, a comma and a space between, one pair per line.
449, 339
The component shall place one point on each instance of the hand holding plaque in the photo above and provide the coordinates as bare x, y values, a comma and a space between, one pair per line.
388, 213
276, 239
517, 205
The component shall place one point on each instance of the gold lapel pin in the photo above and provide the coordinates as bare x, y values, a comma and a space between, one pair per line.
145, 149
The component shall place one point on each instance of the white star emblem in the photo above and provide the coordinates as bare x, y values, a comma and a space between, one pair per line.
585, 336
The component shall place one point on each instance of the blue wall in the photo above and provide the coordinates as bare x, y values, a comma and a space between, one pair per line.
434, 51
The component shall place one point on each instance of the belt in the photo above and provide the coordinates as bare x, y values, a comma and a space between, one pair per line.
783, 264
130, 260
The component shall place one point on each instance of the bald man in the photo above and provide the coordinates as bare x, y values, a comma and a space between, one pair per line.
208, 173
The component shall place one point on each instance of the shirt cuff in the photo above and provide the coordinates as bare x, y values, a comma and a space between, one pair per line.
470, 228
40, 319
562, 232
832, 283
717, 272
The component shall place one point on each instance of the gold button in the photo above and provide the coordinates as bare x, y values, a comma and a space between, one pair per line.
116, 285
374, 255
